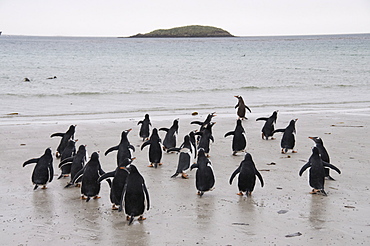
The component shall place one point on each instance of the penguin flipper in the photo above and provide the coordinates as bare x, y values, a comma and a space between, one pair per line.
197, 122
212, 138
78, 176
122, 197
51, 171
163, 129
262, 118
331, 166
146, 196
173, 149
229, 133
259, 177
34, 160
57, 134
66, 160
250, 111
278, 130
140, 122
145, 144
307, 165
106, 175
111, 149
234, 174
131, 147
195, 165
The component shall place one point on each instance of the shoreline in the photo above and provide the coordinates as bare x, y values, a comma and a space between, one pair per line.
177, 215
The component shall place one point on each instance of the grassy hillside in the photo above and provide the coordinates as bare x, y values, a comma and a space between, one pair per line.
186, 31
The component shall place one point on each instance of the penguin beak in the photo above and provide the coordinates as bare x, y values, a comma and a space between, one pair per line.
133, 158
129, 130
122, 168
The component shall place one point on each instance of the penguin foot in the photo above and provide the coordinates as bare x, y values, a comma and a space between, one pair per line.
294, 151
78, 185
184, 176
127, 218
114, 207
66, 175
151, 165
234, 153
200, 193
160, 164
96, 197
44, 187
248, 193
240, 194
283, 151
83, 198
141, 218
314, 191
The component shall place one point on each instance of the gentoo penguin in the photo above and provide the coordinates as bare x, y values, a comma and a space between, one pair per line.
239, 139
317, 171
43, 171
76, 162
323, 154
123, 148
193, 143
171, 133
205, 138
155, 150
89, 175
119, 181
268, 127
144, 129
68, 135
134, 195
184, 157
203, 124
241, 108
288, 139
204, 177
247, 176
69, 151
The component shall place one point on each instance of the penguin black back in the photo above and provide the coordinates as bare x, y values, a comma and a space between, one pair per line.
43, 172
134, 195
323, 154
123, 148
268, 128
144, 129
204, 177
171, 133
242, 108
239, 142
155, 150
288, 139
68, 135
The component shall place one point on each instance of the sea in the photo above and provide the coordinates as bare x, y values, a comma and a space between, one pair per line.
100, 78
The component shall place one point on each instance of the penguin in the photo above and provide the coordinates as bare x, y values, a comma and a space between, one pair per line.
323, 154
119, 181
123, 148
242, 108
155, 150
203, 124
205, 138
268, 128
317, 171
134, 195
171, 133
247, 176
69, 151
193, 143
204, 177
89, 175
184, 157
288, 139
76, 162
68, 135
43, 171
144, 129
239, 140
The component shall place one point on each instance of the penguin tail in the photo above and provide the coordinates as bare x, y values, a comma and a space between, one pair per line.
323, 192
200, 193
175, 175
155, 165
87, 199
34, 188
60, 176
131, 219
68, 185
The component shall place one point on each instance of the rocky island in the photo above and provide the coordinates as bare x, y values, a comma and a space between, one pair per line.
194, 31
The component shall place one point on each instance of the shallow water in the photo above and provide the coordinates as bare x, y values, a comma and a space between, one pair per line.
119, 77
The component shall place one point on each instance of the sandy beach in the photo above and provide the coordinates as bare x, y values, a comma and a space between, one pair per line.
272, 216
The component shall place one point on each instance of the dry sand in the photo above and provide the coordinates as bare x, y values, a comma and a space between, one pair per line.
177, 216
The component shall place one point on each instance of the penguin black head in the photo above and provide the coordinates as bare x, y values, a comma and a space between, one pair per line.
82, 148
315, 151
94, 156
274, 114
201, 152
248, 157
317, 140
132, 168
126, 162
146, 116
176, 122
72, 143
239, 122
48, 151
72, 128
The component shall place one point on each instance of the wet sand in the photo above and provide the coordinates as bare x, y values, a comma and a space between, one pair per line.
177, 216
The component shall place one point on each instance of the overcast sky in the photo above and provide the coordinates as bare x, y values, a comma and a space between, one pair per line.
239, 17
